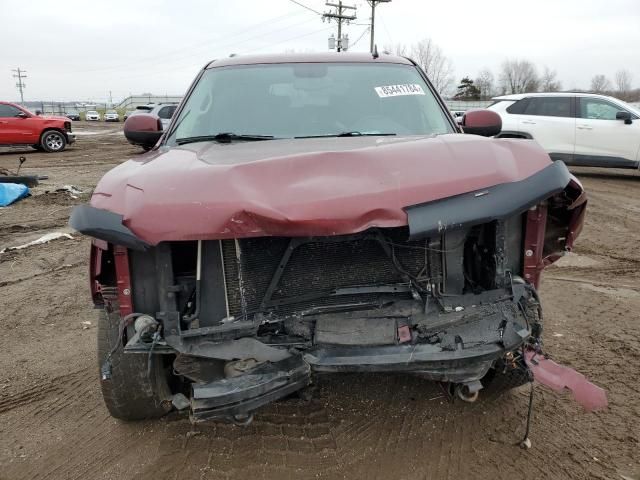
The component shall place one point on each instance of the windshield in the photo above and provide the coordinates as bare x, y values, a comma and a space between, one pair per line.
633, 108
311, 99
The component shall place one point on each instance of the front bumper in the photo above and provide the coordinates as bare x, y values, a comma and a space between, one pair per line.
231, 398
239, 396
71, 137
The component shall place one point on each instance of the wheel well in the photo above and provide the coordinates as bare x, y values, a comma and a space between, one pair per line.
522, 136
53, 129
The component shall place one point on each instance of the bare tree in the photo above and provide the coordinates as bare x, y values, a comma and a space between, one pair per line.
623, 82
397, 49
519, 76
600, 84
484, 82
549, 82
432, 60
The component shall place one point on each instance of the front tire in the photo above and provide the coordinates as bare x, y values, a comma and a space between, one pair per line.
53, 141
131, 394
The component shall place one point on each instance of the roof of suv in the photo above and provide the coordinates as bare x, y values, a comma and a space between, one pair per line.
520, 96
328, 57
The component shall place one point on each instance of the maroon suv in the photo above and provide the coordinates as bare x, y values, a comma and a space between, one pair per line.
318, 213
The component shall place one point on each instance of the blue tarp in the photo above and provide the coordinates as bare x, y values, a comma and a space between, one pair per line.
10, 192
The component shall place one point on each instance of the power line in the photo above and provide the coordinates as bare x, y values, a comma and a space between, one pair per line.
304, 6
188, 62
364, 32
20, 84
289, 39
199, 46
185, 62
159, 70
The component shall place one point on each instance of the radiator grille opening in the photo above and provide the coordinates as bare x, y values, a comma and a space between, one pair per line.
322, 265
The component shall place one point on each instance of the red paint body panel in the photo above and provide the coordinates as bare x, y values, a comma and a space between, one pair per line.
558, 377
27, 131
303, 187
95, 269
534, 244
123, 279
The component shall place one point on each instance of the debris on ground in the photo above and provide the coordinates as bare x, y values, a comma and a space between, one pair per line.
43, 239
72, 190
558, 377
12, 192
28, 180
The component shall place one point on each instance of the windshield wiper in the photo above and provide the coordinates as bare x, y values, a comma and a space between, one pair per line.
225, 137
350, 134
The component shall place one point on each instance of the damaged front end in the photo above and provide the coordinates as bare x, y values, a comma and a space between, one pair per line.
246, 321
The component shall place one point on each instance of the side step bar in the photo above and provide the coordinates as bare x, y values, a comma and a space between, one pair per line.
230, 398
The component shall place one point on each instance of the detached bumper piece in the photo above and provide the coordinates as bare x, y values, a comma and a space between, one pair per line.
231, 398
558, 377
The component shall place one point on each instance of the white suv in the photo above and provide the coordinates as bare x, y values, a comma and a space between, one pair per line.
163, 110
580, 129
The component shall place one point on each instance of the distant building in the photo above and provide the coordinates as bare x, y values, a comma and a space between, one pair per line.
134, 101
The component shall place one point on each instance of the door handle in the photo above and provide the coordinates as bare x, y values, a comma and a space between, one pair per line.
528, 122
585, 127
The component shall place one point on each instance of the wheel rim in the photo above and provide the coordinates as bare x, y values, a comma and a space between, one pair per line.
54, 141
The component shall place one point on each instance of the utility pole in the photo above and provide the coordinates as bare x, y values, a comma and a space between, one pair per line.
110, 99
20, 74
373, 4
339, 16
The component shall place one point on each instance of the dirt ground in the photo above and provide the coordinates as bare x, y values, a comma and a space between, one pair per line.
53, 424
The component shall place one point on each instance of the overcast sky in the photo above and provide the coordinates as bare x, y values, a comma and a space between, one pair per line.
81, 50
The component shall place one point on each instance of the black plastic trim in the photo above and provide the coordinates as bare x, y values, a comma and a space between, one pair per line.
104, 225
577, 160
482, 206
243, 394
143, 139
28, 180
514, 134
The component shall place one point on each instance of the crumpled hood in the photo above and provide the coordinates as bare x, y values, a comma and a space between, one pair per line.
303, 187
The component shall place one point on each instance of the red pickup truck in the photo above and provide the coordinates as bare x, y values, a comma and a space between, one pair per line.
19, 126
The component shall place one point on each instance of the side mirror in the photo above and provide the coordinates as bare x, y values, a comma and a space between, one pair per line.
486, 123
624, 115
143, 129
38, 112
22, 115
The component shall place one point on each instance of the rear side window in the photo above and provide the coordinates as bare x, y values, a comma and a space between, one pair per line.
8, 111
167, 112
549, 106
518, 107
